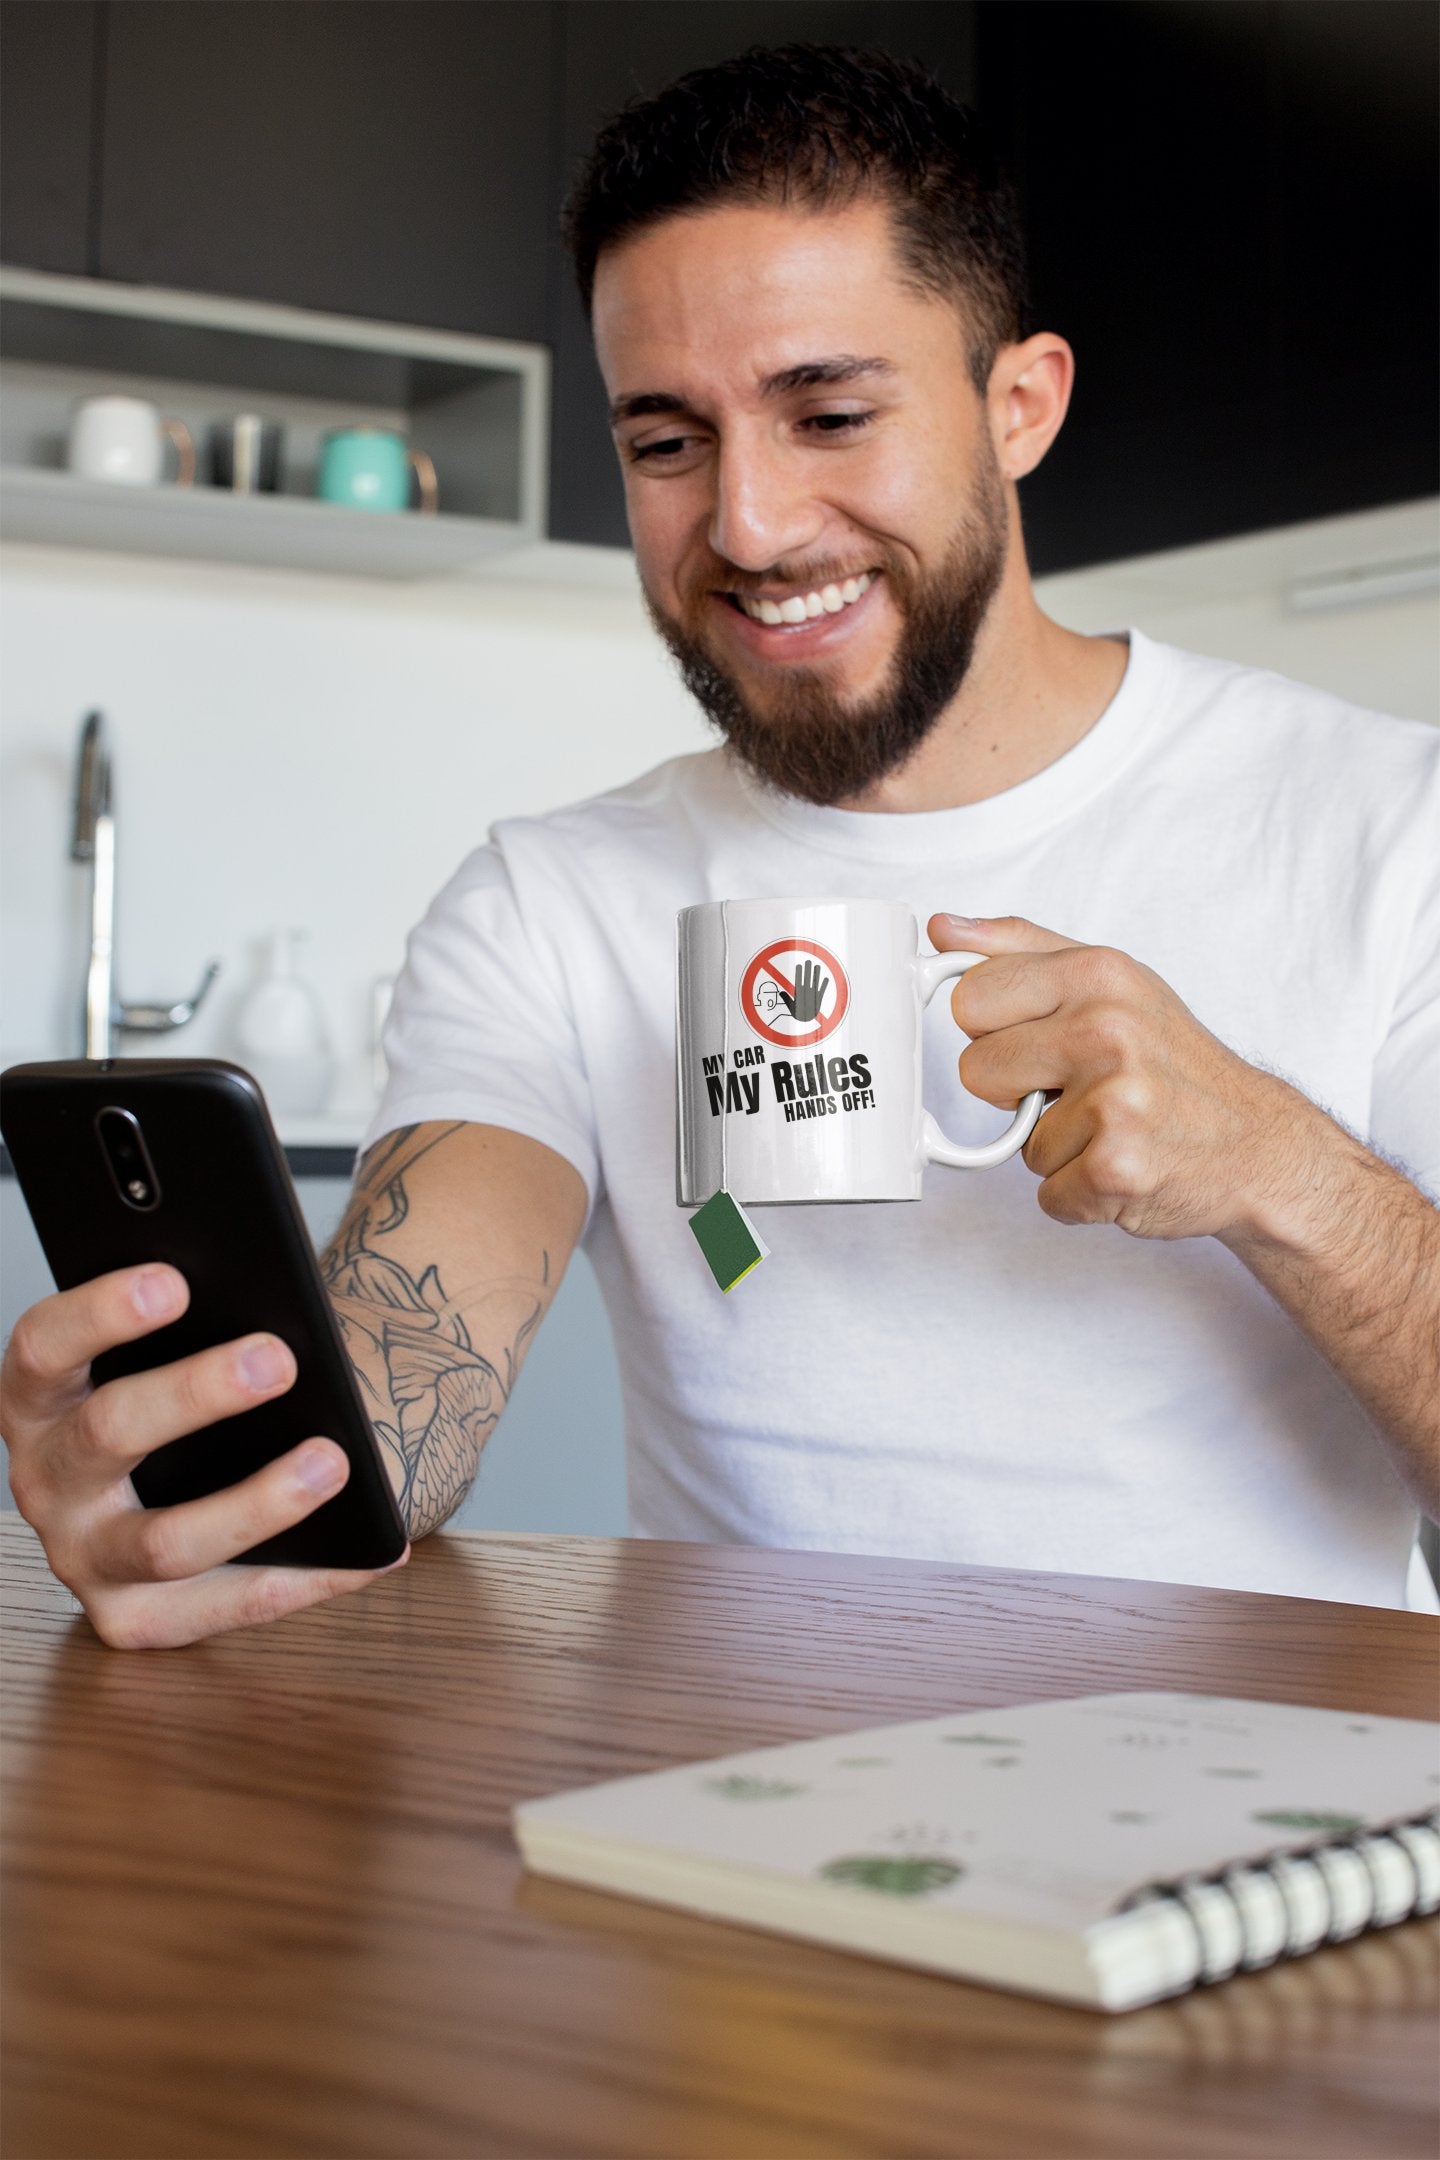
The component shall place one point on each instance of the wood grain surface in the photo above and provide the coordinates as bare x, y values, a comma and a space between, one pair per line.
262, 1899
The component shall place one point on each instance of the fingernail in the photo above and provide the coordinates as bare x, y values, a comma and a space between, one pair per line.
155, 1292
320, 1469
264, 1365
966, 922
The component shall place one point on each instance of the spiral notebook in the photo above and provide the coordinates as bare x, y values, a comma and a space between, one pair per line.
1109, 1850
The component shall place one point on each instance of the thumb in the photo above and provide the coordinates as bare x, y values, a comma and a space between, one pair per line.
994, 934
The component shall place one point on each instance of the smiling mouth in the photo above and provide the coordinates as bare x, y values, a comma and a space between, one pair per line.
794, 608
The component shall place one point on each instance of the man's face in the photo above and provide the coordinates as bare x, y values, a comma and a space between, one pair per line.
799, 432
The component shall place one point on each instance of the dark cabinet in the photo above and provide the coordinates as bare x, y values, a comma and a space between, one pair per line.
388, 159
1231, 206
1356, 239
617, 49
1231, 210
49, 68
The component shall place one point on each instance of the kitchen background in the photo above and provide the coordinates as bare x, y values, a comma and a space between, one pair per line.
313, 719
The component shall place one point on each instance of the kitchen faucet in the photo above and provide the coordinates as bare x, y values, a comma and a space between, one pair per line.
93, 841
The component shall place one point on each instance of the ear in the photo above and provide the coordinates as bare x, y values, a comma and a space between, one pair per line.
1027, 399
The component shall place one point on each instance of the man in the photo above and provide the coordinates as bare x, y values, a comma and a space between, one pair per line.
807, 294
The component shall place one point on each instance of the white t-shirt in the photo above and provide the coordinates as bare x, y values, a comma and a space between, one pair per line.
964, 1379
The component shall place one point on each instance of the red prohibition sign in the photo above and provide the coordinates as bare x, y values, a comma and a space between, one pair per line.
766, 964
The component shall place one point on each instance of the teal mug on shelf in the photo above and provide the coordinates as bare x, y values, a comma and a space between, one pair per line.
367, 468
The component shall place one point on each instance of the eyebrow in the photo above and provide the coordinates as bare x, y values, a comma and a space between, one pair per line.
837, 368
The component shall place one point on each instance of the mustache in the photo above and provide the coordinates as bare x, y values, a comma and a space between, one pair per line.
720, 576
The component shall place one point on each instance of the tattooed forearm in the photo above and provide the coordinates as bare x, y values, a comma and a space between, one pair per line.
436, 1369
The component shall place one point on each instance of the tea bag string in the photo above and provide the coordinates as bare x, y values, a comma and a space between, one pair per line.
725, 1045
733, 1248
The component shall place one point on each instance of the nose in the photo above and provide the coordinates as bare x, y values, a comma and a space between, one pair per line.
764, 509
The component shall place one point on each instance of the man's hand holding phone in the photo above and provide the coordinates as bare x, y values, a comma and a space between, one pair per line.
154, 1578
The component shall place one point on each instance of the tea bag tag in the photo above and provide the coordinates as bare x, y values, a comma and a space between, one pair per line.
729, 1240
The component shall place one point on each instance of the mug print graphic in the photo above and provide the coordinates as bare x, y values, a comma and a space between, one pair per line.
794, 992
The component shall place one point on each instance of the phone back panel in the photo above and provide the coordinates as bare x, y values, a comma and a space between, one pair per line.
228, 1219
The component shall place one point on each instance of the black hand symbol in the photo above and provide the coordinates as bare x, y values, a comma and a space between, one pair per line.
810, 989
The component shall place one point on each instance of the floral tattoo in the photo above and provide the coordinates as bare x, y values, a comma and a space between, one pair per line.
444, 1395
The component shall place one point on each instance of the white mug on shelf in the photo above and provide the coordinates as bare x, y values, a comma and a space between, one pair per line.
799, 1054
122, 439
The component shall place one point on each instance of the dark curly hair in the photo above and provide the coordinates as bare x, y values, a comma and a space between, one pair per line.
819, 125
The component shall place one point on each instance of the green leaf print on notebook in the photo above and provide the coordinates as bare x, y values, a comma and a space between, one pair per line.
738, 1787
1309, 1819
898, 1875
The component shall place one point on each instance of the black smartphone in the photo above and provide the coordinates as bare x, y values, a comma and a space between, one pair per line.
128, 1160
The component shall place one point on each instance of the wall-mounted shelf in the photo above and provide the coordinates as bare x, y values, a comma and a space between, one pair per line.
477, 405
279, 531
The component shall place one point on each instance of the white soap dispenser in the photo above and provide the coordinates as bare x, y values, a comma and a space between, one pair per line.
280, 1034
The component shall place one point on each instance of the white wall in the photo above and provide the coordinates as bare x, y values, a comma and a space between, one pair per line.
321, 752
1230, 599
291, 750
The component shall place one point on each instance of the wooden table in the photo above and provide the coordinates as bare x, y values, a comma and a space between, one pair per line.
262, 1897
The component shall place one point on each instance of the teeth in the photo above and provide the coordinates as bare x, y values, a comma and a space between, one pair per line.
804, 607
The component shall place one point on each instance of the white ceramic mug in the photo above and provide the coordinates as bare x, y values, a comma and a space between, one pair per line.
122, 439
799, 1055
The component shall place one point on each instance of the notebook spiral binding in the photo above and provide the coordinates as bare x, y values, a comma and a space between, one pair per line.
1257, 1912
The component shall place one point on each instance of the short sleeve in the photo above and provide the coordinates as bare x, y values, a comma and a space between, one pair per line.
1405, 1115
480, 1028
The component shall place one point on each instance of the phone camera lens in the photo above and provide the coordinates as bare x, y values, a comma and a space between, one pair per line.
127, 1158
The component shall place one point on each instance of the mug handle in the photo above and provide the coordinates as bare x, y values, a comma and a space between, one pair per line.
424, 470
932, 970
184, 443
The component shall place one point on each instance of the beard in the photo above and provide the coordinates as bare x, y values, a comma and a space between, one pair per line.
807, 740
